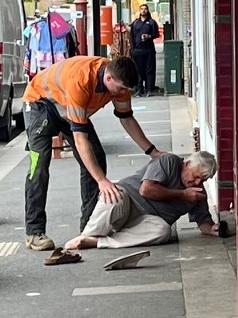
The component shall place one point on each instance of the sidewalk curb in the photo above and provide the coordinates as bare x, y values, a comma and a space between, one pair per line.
208, 279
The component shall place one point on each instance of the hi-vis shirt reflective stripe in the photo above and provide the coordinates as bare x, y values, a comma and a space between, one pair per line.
57, 77
71, 85
77, 112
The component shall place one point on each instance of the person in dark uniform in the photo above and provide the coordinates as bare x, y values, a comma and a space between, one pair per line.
143, 31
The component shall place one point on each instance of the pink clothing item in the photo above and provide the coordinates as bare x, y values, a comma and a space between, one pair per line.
44, 59
59, 27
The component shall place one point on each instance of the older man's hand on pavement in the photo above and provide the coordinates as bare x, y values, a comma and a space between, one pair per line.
194, 194
209, 229
109, 191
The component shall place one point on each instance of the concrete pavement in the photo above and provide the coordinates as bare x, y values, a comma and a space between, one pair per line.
191, 277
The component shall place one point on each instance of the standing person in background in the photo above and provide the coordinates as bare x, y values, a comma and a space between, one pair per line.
143, 31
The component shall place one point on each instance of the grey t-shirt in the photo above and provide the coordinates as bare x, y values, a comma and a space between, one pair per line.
165, 169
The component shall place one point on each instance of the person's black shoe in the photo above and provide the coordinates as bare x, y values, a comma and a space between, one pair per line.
149, 94
138, 94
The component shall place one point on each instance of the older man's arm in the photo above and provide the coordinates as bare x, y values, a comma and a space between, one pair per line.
153, 190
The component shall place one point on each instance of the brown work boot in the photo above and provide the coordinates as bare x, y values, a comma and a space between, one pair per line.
39, 242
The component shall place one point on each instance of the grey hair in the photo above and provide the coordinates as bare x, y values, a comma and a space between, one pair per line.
207, 162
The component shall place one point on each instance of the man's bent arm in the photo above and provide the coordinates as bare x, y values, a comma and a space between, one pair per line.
132, 127
153, 190
84, 148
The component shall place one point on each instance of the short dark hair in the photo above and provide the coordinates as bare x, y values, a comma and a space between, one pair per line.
144, 5
124, 69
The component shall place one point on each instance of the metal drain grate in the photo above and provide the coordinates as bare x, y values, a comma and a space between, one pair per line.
9, 248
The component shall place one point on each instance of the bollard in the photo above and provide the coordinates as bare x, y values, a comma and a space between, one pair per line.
57, 145
81, 25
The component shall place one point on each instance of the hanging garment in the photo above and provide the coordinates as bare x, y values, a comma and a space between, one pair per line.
42, 50
59, 27
72, 42
44, 41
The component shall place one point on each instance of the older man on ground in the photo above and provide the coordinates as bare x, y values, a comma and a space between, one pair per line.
151, 201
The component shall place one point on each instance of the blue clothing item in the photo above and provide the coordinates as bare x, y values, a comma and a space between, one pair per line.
27, 30
59, 45
139, 27
33, 42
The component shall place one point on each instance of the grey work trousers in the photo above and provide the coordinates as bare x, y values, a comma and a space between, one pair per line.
122, 225
42, 121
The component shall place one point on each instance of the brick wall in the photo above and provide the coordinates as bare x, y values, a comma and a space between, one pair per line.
224, 93
235, 103
186, 39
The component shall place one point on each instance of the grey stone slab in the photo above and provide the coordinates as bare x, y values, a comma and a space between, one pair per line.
230, 245
130, 148
209, 282
127, 289
151, 305
163, 115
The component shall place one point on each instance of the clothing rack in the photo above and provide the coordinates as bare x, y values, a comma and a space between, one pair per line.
51, 41
52, 50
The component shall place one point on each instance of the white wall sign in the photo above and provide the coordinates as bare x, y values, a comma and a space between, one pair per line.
76, 14
173, 76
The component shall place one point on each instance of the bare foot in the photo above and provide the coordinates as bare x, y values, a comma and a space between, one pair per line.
80, 242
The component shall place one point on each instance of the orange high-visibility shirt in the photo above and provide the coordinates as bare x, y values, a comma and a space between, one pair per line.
75, 86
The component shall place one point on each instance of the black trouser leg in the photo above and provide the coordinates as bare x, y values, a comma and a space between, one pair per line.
140, 62
89, 187
40, 130
36, 188
150, 69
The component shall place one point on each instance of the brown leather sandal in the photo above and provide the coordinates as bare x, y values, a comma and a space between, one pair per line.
61, 256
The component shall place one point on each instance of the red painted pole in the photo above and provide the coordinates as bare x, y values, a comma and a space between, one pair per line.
81, 25
235, 103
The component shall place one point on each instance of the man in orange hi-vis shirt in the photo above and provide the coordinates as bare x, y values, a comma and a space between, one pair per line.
62, 98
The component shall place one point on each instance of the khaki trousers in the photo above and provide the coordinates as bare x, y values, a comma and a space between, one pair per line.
123, 225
